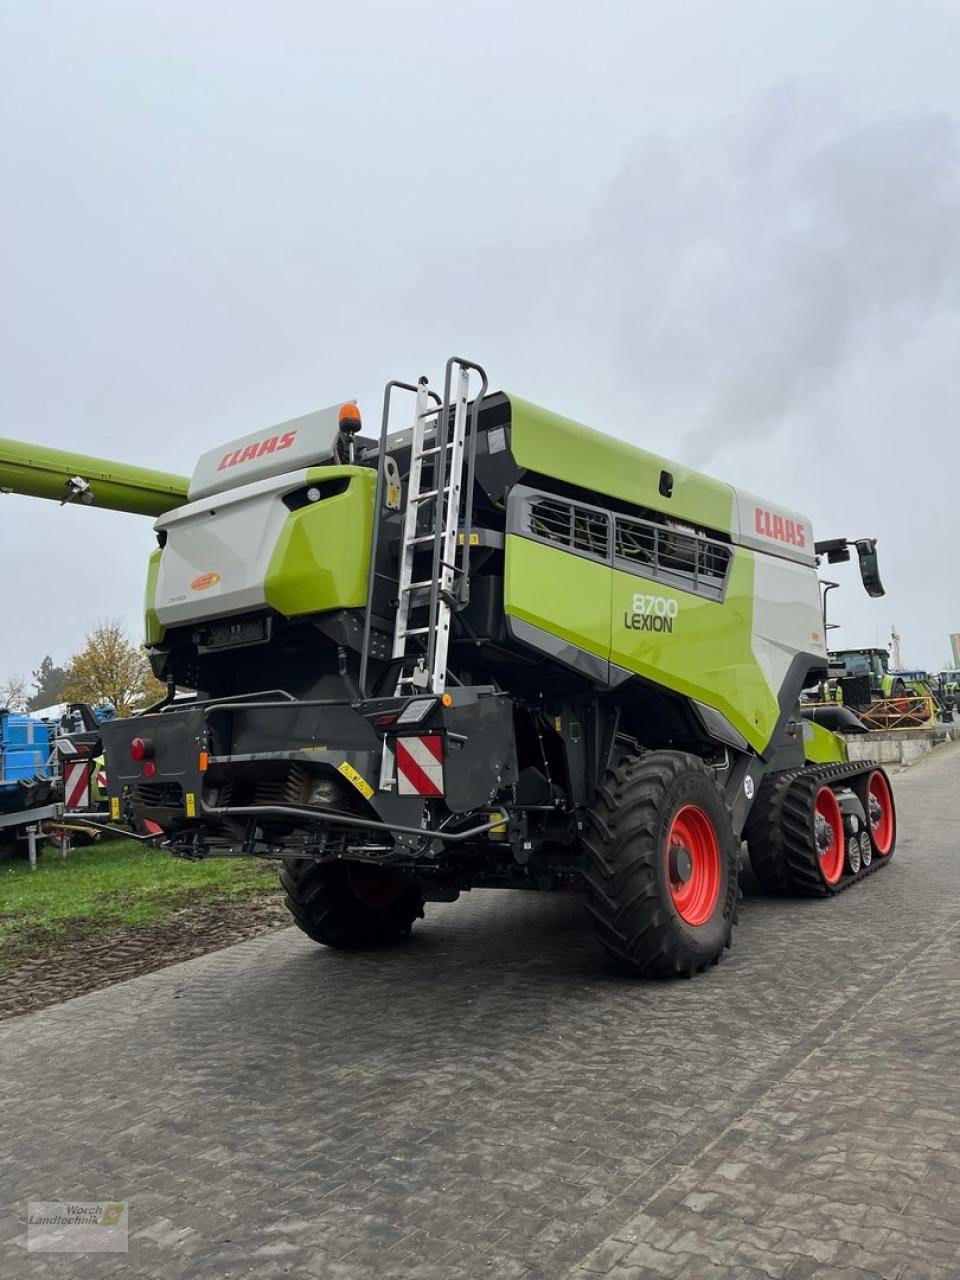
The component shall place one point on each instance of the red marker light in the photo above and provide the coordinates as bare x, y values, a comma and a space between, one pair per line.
149, 769
141, 749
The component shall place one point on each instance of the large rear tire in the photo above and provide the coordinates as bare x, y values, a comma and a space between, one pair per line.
662, 877
349, 905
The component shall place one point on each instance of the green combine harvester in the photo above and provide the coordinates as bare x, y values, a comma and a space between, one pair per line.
493, 648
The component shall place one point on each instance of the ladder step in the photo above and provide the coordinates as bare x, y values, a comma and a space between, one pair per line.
424, 537
436, 449
428, 493
415, 586
417, 631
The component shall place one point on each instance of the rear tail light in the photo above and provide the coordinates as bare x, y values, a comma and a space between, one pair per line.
141, 749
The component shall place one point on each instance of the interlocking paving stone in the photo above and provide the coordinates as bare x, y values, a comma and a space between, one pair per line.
492, 1100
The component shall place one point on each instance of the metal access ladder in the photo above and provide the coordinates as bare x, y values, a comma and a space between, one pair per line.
436, 525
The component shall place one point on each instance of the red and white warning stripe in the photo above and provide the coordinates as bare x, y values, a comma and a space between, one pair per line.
76, 783
419, 765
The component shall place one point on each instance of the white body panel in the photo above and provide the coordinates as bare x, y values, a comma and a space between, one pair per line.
218, 551
776, 530
787, 617
301, 442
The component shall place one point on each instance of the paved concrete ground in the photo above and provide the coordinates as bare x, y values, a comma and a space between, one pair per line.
491, 1101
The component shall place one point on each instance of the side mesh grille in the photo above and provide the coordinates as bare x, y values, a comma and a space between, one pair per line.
659, 551
569, 525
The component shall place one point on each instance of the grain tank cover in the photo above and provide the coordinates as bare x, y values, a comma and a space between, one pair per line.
289, 446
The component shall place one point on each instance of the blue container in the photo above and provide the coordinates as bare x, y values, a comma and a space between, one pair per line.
24, 731
25, 749
24, 762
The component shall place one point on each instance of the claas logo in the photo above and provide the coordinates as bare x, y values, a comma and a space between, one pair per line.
259, 449
770, 525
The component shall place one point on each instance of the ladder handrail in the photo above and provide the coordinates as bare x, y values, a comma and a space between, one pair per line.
445, 541
456, 431
392, 385
411, 517
472, 431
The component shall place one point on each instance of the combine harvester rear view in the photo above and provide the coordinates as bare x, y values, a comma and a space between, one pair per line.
494, 648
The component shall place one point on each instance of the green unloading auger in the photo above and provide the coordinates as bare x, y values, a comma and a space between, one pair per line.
39, 472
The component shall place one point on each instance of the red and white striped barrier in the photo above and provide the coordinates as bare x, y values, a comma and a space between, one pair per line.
419, 765
76, 783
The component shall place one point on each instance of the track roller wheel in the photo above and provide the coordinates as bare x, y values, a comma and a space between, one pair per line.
349, 905
876, 796
828, 834
866, 849
814, 845
853, 854
662, 878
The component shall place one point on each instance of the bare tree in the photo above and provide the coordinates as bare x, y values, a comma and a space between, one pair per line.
13, 693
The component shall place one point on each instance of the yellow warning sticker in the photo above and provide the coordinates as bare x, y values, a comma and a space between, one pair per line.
115, 808
474, 539
358, 780
191, 803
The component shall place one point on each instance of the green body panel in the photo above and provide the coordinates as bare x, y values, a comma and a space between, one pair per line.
913, 684
706, 655
322, 555
545, 442
153, 630
821, 746
43, 473
563, 594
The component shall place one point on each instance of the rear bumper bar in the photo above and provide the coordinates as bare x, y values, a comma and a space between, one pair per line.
333, 818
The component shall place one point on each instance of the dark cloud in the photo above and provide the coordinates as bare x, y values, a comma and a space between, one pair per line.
739, 271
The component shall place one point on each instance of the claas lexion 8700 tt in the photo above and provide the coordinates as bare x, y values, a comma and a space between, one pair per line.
494, 648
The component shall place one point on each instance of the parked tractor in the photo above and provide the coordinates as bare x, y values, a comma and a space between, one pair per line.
948, 683
493, 648
863, 680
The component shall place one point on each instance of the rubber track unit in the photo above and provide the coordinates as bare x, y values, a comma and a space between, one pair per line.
764, 833
779, 834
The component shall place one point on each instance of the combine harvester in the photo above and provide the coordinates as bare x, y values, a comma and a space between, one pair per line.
494, 648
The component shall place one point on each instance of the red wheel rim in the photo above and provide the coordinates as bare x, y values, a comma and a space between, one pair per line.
693, 865
829, 835
374, 889
881, 813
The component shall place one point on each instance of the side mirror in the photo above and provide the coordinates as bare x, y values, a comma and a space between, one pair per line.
869, 570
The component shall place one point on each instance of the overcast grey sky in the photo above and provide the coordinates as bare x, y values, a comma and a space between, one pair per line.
726, 230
